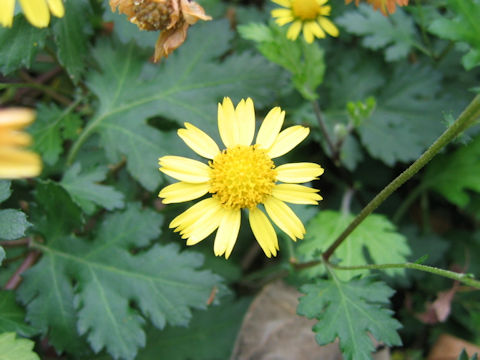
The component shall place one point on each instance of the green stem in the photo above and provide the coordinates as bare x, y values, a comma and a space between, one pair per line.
81, 139
466, 279
466, 119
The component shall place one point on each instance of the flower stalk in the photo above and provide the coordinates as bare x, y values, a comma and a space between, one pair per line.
466, 119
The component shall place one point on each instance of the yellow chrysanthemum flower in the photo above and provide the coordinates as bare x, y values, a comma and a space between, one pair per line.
309, 15
242, 176
37, 12
16, 162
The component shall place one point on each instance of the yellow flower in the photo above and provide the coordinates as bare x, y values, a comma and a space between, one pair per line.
242, 176
14, 161
37, 12
309, 15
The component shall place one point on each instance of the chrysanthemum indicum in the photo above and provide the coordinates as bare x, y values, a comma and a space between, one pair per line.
242, 176
16, 162
385, 6
309, 15
37, 12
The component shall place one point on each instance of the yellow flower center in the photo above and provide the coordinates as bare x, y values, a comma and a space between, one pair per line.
242, 177
306, 9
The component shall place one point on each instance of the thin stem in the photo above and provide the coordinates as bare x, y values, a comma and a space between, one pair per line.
323, 128
463, 278
15, 243
16, 278
466, 119
81, 139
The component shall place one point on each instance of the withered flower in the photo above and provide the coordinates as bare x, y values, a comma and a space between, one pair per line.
171, 17
385, 6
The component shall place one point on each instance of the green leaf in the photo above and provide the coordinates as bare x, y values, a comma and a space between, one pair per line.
47, 290
463, 27
5, 191
2, 255
376, 234
116, 289
464, 356
305, 61
85, 191
184, 87
395, 33
350, 311
456, 173
19, 45
12, 316
52, 126
210, 335
407, 117
13, 224
16, 349
71, 36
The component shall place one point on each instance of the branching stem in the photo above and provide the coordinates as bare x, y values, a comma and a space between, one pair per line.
465, 120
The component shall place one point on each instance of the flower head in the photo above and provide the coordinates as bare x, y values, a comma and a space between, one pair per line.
37, 12
309, 15
385, 6
16, 162
241, 176
172, 17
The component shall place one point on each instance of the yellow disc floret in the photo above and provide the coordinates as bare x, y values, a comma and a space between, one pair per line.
306, 9
242, 177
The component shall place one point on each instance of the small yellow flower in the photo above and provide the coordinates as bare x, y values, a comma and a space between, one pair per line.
309, 15
242, 176
16, 162
37, 12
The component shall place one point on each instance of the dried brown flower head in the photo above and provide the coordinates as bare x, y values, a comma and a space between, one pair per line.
171, 17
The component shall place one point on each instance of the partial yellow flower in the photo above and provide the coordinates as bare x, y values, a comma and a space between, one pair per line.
306, 15
172, 17
37, 12
16, 162
385, 6
241, 176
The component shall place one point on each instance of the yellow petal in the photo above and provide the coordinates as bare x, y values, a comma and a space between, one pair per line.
198, 141
263, 231
16, 118
282, 13
227, 233
14, 138
296, 194
270, 127
15, 164
56, 8
226, 122
286, 3
6, 15
284, 218
307, 33
328, 26
316, 30
284, 20
184, 169
203, 226
287, 140
245, 116
189, 216
294, 30
182, 191
36, 12
298, 172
